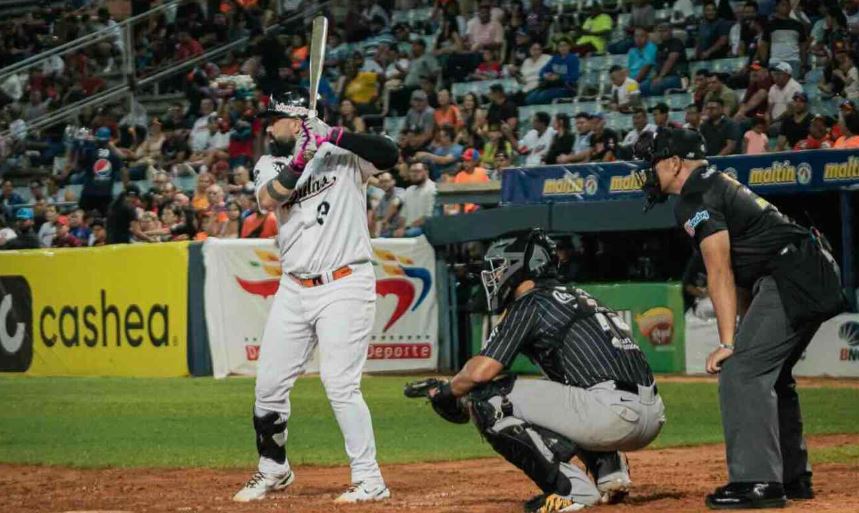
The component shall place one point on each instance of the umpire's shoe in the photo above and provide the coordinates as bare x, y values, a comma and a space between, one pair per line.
747, 496
801, 489
260, 484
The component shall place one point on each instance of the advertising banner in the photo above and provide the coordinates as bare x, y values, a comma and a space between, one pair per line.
242, 277
789, 172
654, 311
109, 311
834, 350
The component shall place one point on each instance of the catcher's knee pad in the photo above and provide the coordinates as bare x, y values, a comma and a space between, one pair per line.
271, 436
522, 445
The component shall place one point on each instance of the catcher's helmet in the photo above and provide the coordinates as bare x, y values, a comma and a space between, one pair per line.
292, 103
665, 143
510, 261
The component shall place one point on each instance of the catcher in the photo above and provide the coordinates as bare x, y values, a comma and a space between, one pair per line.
599, 398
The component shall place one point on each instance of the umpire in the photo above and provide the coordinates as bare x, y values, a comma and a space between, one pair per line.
748, 245
600, 396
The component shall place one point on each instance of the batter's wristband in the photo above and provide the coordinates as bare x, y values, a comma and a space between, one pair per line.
288, 177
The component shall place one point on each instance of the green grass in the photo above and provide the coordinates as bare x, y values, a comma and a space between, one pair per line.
206, 422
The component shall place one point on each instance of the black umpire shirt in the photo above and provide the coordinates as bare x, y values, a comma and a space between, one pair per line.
712, 201
572, 338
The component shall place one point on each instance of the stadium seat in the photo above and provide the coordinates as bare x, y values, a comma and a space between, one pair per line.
729, 65
412, 16
481, 87
674, 101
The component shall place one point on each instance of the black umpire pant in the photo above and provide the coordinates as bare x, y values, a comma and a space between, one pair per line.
757, 393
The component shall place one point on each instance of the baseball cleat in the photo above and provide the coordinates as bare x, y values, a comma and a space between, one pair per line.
534, 504
614, 491
559, 504
259, 485
361, 493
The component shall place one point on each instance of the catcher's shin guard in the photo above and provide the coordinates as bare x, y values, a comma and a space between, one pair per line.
536, 451
271, 436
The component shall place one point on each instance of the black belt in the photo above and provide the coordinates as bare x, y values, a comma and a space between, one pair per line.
632, 388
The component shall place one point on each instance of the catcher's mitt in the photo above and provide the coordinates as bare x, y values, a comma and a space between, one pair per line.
444, 403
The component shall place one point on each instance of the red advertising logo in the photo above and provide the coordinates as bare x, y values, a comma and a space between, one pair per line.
252, 353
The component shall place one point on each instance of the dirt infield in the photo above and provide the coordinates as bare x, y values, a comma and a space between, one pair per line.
668, 480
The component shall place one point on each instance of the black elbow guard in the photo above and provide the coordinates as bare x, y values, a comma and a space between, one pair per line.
379, 150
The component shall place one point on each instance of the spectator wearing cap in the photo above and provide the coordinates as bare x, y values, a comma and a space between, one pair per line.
795, 126
782, 91
594, 31
443, 156
785, 39
470, 173
818, 135
559, 77
639, 126
24, 234
661, 116
447, 114
562, 143
418, 201
755, 100
37, 190
693, 117
641, 58
64, 239
502, 111
535, 144
712, 41
850, 130
625, 92
755, 140
716, 88
9, 198
671, 63
101, 166
99, 234
419, 124
720, 133
604, 141
123, 219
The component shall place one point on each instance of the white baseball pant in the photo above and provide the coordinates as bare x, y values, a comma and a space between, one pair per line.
338, 316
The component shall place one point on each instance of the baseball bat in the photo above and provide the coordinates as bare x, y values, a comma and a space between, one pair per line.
317, 56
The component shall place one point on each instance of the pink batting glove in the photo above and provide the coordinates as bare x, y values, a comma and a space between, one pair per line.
333, 136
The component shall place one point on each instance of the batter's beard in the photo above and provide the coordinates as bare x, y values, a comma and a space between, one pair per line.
280, 148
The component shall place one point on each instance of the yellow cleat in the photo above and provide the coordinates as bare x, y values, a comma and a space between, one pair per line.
559, 504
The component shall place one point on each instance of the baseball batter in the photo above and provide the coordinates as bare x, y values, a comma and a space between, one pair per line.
327, 291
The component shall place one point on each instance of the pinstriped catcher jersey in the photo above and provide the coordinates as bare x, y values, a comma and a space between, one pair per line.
323, 226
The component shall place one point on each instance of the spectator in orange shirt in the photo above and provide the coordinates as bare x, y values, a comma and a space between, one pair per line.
850, 139
471, 173
818, 135
200, 201
259, 225
447, 113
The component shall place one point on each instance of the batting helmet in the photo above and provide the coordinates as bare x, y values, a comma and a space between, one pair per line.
292, 103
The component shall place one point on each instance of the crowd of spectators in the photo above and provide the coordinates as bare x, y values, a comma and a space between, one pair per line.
378, 69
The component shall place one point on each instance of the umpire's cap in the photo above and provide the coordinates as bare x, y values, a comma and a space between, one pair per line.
654, 147
292, 103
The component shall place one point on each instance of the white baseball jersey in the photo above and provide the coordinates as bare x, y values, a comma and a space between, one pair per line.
323, 226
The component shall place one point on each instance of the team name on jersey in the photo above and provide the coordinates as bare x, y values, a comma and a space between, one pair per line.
312, 187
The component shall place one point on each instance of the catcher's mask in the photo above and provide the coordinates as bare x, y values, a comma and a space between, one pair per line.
653, 148
510, 261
